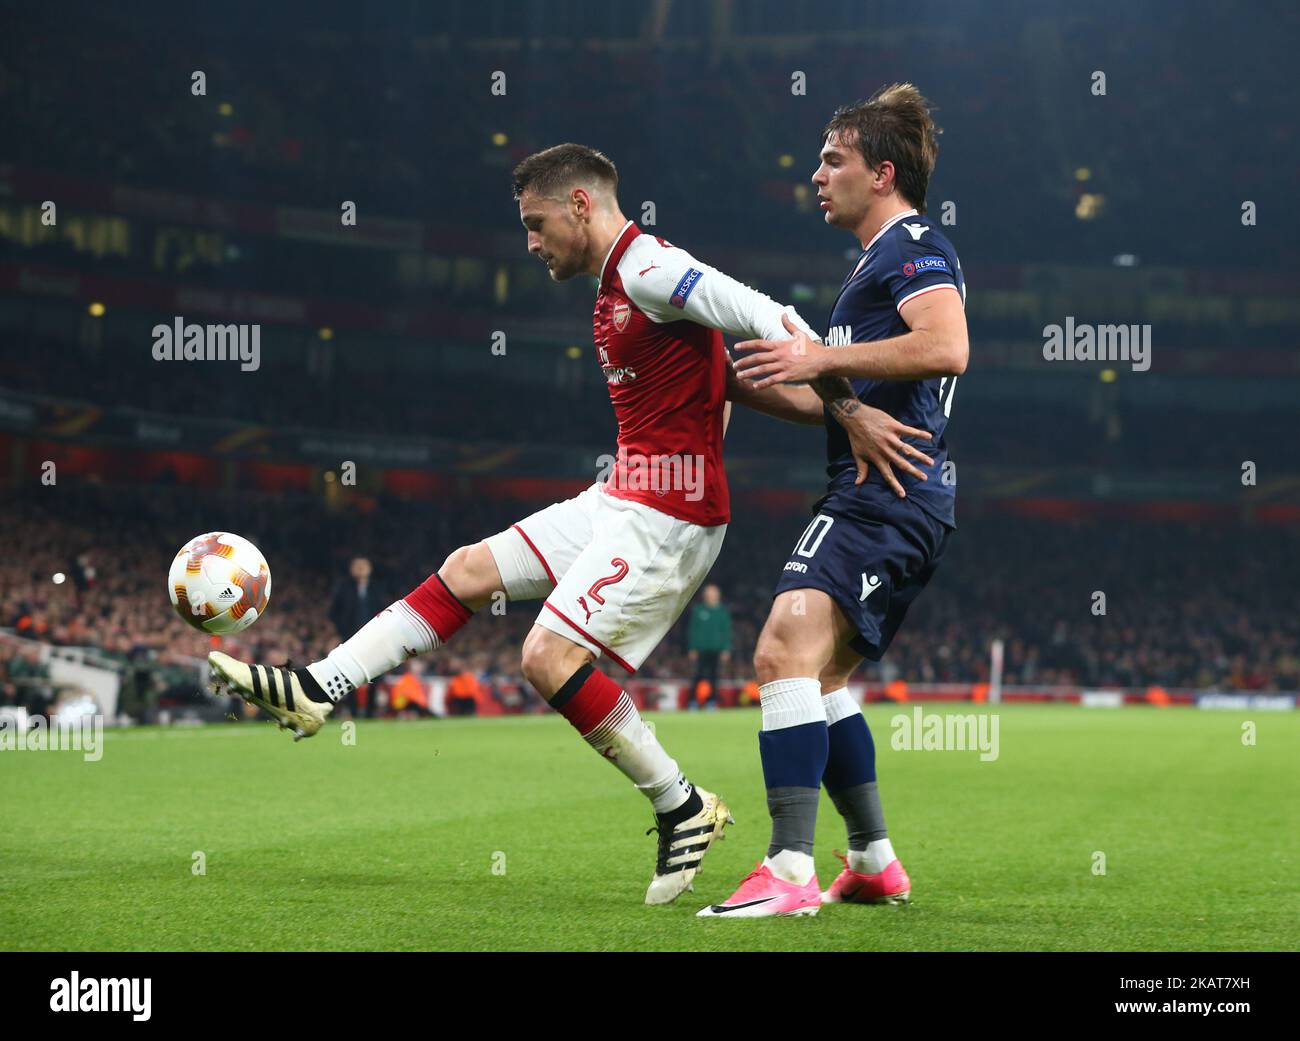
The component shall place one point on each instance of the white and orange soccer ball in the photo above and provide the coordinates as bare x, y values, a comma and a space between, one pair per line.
219, 583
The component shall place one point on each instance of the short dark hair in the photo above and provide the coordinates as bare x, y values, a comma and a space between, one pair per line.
551, 171
894, 124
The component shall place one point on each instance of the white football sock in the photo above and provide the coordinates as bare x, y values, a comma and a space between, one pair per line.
668, 792
791, 866
839, 704
384, 642
874, 859
791, 703
623, 738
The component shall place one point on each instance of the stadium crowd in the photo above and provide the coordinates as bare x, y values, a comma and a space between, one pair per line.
1032, 583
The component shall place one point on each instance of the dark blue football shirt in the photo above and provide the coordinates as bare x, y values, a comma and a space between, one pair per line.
907, 257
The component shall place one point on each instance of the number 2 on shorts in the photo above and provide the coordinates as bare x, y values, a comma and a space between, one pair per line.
608, 580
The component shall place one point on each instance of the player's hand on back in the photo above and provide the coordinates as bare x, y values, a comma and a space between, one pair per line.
876, 438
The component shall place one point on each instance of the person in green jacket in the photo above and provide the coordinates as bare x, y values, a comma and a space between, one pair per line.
708, 642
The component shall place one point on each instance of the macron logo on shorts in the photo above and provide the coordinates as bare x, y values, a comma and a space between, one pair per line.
684, 288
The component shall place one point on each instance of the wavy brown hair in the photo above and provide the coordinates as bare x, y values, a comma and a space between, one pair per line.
894, 124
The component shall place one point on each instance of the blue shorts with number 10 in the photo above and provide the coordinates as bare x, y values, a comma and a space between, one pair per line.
873, 563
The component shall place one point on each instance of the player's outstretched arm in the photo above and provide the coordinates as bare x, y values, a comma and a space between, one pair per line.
668, 285
935, 345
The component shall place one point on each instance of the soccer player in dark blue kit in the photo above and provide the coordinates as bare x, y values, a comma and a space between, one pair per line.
898, 335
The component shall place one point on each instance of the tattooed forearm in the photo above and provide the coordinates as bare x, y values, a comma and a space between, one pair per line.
842, 408
838, 394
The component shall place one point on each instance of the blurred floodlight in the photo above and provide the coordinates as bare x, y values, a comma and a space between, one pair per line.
1089, 205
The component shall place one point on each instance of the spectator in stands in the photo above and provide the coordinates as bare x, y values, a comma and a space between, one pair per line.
709, 645
410, 695
8, 689
83, 573
354, 601
30, 678
463, 691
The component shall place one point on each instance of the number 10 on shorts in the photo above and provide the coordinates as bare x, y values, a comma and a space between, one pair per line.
813, 534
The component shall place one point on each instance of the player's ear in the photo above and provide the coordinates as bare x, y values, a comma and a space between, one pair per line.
580, 203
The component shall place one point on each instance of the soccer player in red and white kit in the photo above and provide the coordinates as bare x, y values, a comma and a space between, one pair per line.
616, 564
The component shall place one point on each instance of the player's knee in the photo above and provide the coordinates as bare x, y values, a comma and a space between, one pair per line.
538, 662
783, 655
533, 662
771, 658
471, 573
549, 660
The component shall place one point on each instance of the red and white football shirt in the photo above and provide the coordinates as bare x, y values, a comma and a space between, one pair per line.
658, 325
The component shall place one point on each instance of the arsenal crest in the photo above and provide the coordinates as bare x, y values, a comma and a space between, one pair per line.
622, 312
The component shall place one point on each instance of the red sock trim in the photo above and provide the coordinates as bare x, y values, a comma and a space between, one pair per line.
438, 606
593, 703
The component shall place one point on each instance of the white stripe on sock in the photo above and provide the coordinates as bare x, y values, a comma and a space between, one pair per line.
840, 704
791, 703
623, 738
419, 626
381, 644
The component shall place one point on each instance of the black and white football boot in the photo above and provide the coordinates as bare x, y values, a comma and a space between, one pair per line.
685, 835
292, 697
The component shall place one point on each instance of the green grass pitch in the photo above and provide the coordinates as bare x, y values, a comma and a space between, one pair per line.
510, 834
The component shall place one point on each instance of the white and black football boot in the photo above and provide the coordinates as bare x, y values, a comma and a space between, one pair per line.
292, 697
685, 835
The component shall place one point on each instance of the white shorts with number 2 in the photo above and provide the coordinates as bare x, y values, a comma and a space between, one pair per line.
616, 574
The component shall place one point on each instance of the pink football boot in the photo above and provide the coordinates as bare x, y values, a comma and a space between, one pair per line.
891, 886
763, 895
